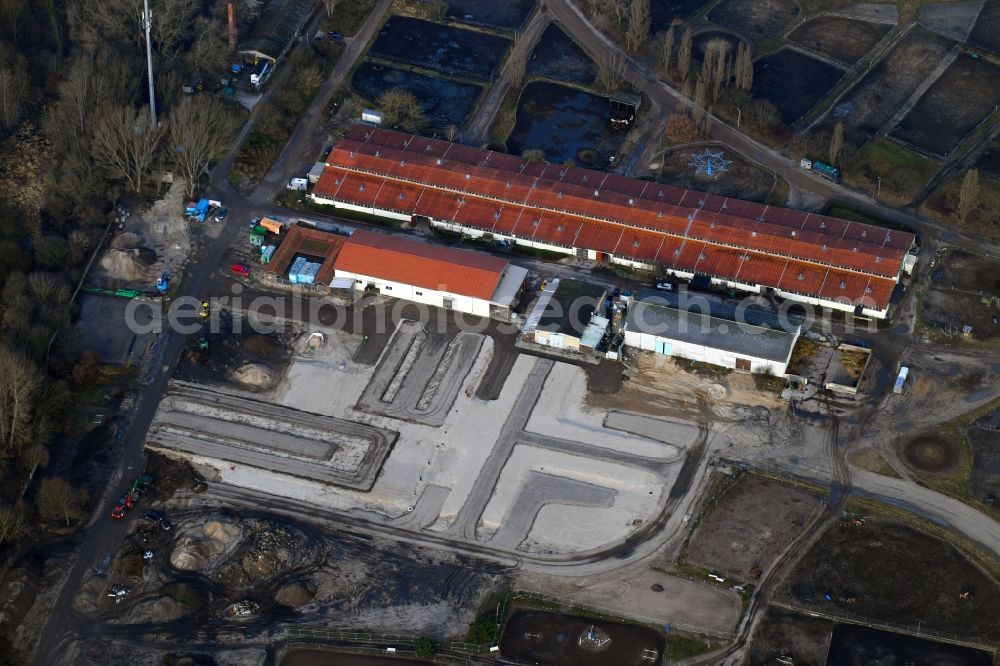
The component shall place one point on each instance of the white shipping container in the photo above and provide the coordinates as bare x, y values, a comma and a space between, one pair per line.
901, 379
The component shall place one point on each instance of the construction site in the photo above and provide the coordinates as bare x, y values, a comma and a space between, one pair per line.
395, 454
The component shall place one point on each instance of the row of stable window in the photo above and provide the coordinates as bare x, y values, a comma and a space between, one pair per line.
389, 288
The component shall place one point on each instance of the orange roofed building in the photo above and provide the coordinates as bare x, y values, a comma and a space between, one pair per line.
753, 247
471, 282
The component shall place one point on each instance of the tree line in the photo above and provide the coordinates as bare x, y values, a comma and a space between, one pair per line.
75, 136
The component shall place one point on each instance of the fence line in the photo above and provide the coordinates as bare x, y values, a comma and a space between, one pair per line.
912, 630
571, 603
393, 640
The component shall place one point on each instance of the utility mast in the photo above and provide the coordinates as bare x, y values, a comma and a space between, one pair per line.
147, 20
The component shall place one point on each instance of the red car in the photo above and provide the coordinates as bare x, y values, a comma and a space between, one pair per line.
127, 501
241, 270
118, 512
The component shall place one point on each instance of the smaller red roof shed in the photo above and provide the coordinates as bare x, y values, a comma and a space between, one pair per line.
393, 259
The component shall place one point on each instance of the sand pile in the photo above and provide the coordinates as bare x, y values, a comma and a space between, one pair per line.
193, 554
254, 375
222, 532
130, 265
294, 595
126, 241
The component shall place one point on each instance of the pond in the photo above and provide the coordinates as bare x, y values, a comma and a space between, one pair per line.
559, 57
570, 640
445, 102
566, 124
443, 48
860, 646
506, 15
793, 82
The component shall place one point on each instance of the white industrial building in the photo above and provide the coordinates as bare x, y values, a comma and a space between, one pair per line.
755, 344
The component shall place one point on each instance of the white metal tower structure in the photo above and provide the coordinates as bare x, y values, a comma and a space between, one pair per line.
147, 21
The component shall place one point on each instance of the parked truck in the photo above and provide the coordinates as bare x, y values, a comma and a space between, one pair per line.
260, 73
825, 170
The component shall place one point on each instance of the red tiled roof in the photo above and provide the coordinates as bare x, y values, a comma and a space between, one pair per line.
323, 244
681, 229
422, 265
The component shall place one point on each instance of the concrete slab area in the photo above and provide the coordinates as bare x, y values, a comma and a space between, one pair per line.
419, 375
560, 412
246, 431
567, 503
537, 491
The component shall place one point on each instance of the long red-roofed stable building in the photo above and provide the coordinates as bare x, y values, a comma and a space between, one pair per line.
753, 247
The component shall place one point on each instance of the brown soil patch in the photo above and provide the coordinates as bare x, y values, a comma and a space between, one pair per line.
751, 525
804, 639
871, 461
985, 480
931, 454
263, 346
891, 572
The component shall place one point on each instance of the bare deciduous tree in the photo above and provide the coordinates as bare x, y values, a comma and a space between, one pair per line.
308, 80
610, 72
248, 9
619, 9
23, 169
705, 127
58, 499
720, 77
13, 12
517, 64
198, 133
13, 91
533, 155
638, 25
684, 55
330, 6
125, 144
667, 49
33, 457
968, 196
836, 143
401, 109
55, 24
764, 113
209, 50
12, 524
20, 384
743, 68
700, 98
172, 25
